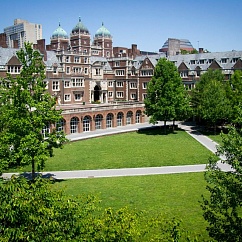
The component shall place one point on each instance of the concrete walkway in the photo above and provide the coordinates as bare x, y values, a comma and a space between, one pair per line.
190, 129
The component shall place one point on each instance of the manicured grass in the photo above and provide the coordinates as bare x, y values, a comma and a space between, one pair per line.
146, 149
175, 195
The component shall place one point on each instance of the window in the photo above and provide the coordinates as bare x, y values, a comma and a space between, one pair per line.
55, 70
74, 125
46, 130
86, 124
129, 117
202, 61
224, 60
120, 84
67, 59
137, 117
234, 60
110, 94
76, 59
85, 60
119, 73
133, 95
67, 70
77, 69
55, 86
144, 85
184, 73
78, 96
60, 125
77, 82
108, 54
133, 85
120, 119
67, 84
120, 94
67, 97
98, 121
109, 120
14, 69
193, 62
107, 45
146, 73
132, 72
144, 96
210, 61
110, 84
98, 71
85, 70
117, 63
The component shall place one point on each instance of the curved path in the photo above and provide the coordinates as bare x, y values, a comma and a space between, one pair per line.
189, 128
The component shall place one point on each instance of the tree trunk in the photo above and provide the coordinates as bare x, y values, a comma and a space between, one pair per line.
173, 125
33, 170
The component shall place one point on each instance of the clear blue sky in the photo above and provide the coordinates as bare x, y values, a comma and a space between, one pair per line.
212, 24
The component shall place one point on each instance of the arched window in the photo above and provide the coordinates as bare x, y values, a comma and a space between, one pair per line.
138, 117
86, 124
120, 119
74, 125
129, 117
98, 121
109, 120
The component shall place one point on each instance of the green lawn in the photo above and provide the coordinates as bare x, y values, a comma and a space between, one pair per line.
147, 149
175, 195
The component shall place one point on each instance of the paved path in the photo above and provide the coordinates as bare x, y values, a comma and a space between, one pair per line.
191, 130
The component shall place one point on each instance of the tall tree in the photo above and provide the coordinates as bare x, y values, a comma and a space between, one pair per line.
223, 208
234, 91
26, 108
209, 98
165, 94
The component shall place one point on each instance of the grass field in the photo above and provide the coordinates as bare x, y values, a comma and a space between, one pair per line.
146, 149
175, 195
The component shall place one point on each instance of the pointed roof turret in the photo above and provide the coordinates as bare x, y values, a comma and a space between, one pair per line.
103, 32
80, 27
59, 33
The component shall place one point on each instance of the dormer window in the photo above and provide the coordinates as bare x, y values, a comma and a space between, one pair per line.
202, 61
193, 62
224, 60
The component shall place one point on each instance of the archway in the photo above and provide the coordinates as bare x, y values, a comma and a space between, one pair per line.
97, 93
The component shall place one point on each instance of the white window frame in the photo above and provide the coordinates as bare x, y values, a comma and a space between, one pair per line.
144, 85
67, 97
55, 85
120, 94
110, 94
78, 97
133, 85
119, 84
119, 72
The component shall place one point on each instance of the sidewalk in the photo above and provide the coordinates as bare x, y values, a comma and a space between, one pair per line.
191, 130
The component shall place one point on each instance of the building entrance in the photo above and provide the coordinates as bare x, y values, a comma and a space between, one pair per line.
97, 93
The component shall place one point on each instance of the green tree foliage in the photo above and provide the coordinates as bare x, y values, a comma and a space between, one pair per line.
26, 108
234, 91
166, 99
39, 212
223, 208
209, 98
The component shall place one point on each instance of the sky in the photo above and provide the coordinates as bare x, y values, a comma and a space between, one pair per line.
214, 25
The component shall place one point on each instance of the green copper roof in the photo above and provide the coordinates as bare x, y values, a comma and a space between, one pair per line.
80, 27
103, 32
59, 33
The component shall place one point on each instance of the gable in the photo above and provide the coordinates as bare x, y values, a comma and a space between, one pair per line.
183, 67
14, 61
146, 64
214, 65
238, 64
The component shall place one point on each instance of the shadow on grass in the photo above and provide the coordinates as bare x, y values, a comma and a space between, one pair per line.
159, 130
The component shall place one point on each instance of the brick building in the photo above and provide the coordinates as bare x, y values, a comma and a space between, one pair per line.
100, 86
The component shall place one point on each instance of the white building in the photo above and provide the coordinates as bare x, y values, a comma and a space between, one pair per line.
22, 31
